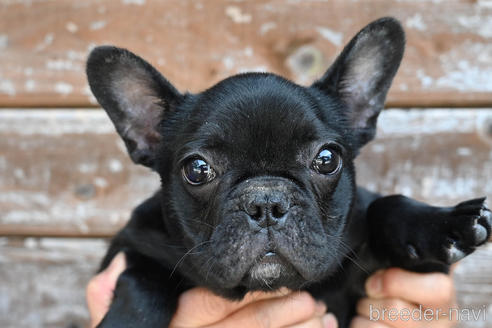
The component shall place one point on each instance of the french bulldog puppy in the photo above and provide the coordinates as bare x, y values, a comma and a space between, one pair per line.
258, 185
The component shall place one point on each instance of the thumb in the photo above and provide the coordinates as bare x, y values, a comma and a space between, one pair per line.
100, 289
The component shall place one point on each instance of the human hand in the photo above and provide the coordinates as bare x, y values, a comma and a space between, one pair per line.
419, 295
199, 307
99, 291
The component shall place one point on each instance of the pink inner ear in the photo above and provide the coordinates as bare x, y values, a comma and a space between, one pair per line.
141, 108
363, 74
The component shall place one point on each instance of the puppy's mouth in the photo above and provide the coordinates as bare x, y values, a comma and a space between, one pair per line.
271, 271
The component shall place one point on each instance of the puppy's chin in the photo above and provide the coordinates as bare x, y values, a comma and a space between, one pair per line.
271, 272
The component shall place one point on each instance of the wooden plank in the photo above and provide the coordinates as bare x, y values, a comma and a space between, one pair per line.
43, 282
438, 156
473, 279
196, 43
66, 172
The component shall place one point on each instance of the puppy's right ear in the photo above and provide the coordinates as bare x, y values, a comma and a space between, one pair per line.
135, 96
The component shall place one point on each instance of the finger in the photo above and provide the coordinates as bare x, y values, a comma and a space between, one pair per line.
200, 307
99, 292
429, 289
393, 312
453, 267
362, 322
277, 312
325, 321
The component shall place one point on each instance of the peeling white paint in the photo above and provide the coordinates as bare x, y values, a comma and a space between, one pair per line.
416, 22
228, 62
54, 122
4, 41
97, 25
235, 13
76, 55
87, 167
467, 77
484, 3
91, 46
100, 182
47, 41
7, 87
378, 148
258, 69
399, 122
403, 87
25, 198
60, 65
248, 51
19, 173
467, 67
334, 37
266, 27
133, 2
87, 91
463, 151
71, 27
63, 88
30, 243
28, 71
425, 80
30, 85
115, 165
478, 24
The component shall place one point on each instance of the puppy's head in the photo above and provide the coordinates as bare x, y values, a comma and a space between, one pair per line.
257, 172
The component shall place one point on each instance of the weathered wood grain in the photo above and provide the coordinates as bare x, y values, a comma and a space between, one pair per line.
473, 278
43, 44
43, 282
66, 173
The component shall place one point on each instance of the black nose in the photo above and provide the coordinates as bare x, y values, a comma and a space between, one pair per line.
265, 212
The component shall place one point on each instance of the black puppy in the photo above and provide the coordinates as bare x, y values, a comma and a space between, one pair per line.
258, 185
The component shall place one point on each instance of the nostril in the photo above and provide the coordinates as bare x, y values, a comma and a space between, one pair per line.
278, 211
257, 213
254, 211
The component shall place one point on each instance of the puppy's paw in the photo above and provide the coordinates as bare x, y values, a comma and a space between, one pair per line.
470, 226
451, 233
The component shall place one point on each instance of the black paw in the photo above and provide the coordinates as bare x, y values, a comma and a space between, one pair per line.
452, 233
472, 228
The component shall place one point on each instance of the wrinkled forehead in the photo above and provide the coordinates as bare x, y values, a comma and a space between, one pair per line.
261, 121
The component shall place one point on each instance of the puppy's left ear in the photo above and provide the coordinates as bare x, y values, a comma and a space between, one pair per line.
362, 74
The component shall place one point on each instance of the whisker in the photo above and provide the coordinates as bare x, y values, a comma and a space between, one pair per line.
186, 254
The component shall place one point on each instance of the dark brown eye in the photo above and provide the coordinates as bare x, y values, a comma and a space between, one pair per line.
327, 161
197, 171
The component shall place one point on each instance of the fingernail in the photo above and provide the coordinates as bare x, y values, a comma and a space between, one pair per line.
374, 285
116, 267
329, 321
320, 308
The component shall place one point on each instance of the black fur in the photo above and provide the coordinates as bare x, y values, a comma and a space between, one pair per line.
267, 216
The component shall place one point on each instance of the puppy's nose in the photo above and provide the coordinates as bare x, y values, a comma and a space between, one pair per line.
265, 212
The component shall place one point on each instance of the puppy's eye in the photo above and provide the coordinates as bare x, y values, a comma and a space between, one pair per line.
327, 161
196, 172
